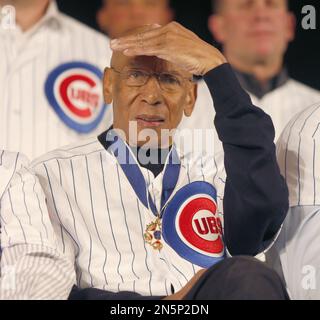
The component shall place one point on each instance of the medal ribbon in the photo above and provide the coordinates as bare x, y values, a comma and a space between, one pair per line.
135, 177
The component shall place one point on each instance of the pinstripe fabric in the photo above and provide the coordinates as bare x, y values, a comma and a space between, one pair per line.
104, 221
281, 105
298, 157
34, 272
285, 102
10, 162
31, 265
28, 123
296, 254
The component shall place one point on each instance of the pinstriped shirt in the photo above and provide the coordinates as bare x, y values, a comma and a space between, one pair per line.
9, 163
296, 254
101, 221
298, 157
281, 104
31, 265
28, 122
286, 101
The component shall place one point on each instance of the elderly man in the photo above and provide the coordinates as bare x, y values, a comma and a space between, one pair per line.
255, 35
163, 228
117, 16
31, 265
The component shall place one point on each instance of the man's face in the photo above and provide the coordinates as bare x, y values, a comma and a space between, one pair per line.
254, 30
149, 106
118, 16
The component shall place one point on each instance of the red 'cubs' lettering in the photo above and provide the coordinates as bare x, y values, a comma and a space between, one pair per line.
74, 90
208, 224
82, 113
205, 229
199, 226
212, 224
91, 99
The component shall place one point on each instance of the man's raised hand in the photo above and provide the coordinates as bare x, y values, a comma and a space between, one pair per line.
172, 43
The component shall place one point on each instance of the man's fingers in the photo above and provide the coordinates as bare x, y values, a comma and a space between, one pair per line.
139, 52
155, 32
162, 42
185, 31
139, 41
154, 50
169, 31
143, 46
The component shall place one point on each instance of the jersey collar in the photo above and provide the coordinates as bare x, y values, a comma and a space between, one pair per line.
252, 85
116, 146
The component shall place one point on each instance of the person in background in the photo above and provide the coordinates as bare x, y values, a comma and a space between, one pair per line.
117, 16
31, 265
51, 68
255, 35
296, 253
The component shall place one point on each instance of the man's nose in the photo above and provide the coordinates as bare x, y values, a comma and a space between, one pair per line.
262, 9
151, 92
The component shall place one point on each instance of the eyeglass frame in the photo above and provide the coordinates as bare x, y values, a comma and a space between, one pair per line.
151, 74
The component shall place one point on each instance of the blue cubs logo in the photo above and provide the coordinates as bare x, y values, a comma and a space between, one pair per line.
192, 227
74, 90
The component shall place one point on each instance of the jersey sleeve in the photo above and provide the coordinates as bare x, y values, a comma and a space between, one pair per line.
10, 162
255, 199
32, 266
296, 253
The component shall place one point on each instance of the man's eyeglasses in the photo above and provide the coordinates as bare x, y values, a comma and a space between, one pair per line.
168, 82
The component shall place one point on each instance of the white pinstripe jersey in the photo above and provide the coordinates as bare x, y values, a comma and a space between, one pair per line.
296, 253
28, 122
104, 221
285, 102
298, 157
35, 221
10, 162
31, 266
280, 104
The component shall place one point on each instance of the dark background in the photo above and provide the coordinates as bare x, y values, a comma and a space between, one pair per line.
303, 56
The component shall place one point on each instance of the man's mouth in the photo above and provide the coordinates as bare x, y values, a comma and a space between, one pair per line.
261, 33
150, 121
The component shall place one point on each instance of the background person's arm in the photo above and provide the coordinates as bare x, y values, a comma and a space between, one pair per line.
296, 253
31, 265
34, 272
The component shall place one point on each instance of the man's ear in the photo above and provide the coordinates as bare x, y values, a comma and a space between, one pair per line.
107, 86
216, 27
191, 99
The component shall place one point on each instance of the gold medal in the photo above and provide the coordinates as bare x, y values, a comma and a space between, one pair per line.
152, 235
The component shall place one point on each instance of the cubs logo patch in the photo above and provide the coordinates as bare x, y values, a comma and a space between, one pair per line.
74, 90
192, 227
